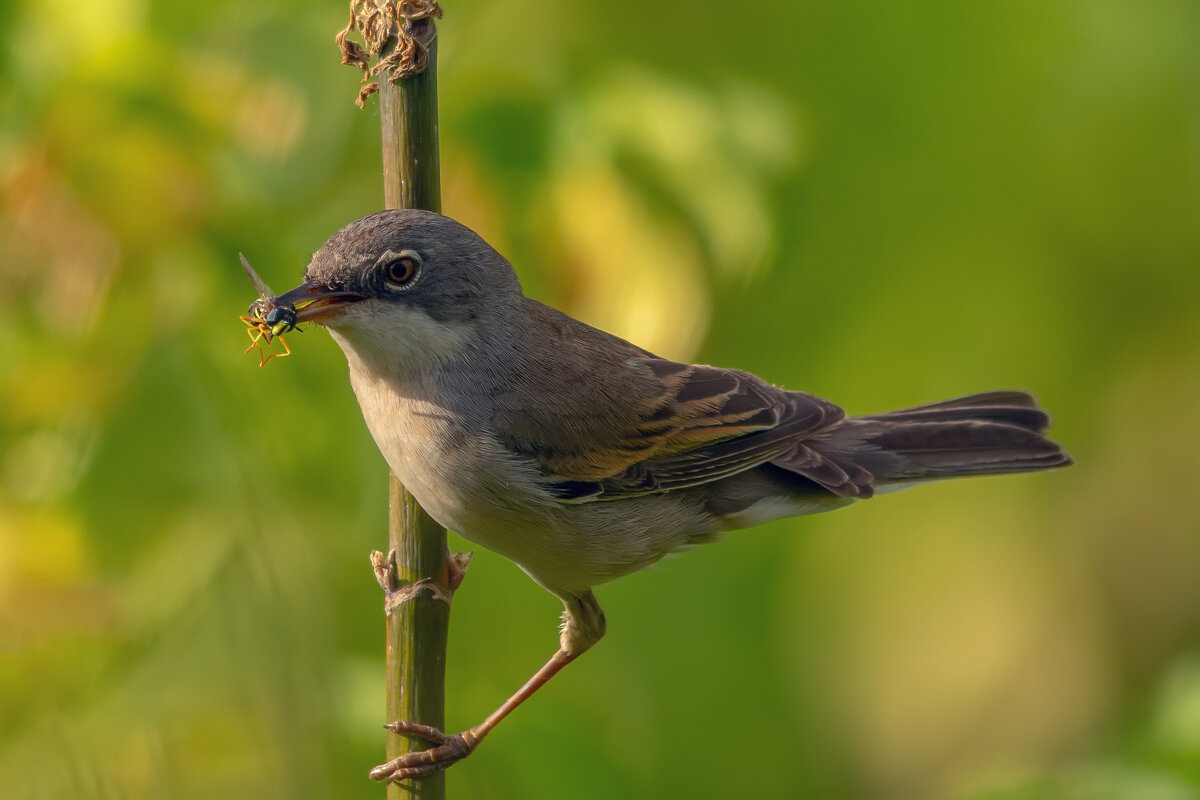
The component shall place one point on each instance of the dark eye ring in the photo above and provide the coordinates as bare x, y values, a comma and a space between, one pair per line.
403, 270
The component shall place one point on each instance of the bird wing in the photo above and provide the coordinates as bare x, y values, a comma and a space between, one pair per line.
661, 425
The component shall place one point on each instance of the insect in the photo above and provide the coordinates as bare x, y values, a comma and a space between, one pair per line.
265, 321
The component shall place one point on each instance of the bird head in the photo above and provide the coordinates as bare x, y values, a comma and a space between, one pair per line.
405, 286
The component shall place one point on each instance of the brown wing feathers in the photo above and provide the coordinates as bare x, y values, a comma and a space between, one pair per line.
673, 426
708, 423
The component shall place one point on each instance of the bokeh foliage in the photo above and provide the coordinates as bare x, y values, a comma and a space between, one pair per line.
884, 203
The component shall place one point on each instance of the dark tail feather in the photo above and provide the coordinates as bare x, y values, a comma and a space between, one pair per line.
983, 434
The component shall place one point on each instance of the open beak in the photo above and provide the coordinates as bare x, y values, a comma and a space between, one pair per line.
316, 303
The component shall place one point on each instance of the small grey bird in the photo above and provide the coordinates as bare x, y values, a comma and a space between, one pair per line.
582, 457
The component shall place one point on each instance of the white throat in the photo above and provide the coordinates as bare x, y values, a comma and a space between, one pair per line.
398, 343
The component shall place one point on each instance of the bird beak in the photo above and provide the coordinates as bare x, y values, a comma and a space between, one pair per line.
316, 303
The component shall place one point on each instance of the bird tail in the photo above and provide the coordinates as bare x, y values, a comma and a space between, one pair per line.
982, 434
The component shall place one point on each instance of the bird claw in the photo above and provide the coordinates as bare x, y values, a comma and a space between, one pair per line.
447, 750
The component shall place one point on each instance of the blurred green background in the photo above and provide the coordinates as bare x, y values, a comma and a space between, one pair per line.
882, 203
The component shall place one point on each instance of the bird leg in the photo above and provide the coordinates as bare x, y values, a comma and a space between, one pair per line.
583, 625
449, 749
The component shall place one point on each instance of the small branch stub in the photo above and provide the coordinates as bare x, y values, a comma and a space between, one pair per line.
396, 33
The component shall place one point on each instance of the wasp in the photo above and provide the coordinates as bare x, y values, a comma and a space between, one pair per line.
265, 321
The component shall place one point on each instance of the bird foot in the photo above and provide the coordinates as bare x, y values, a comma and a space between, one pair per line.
446, 751
395, 595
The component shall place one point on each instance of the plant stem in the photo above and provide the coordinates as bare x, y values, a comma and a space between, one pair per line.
417, 630
408, 112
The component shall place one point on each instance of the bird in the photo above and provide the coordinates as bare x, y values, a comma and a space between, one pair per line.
582, 457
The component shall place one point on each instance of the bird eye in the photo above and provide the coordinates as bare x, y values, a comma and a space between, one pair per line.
403, 269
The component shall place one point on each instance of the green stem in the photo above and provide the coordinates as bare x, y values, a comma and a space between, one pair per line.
408, 112
416, 631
